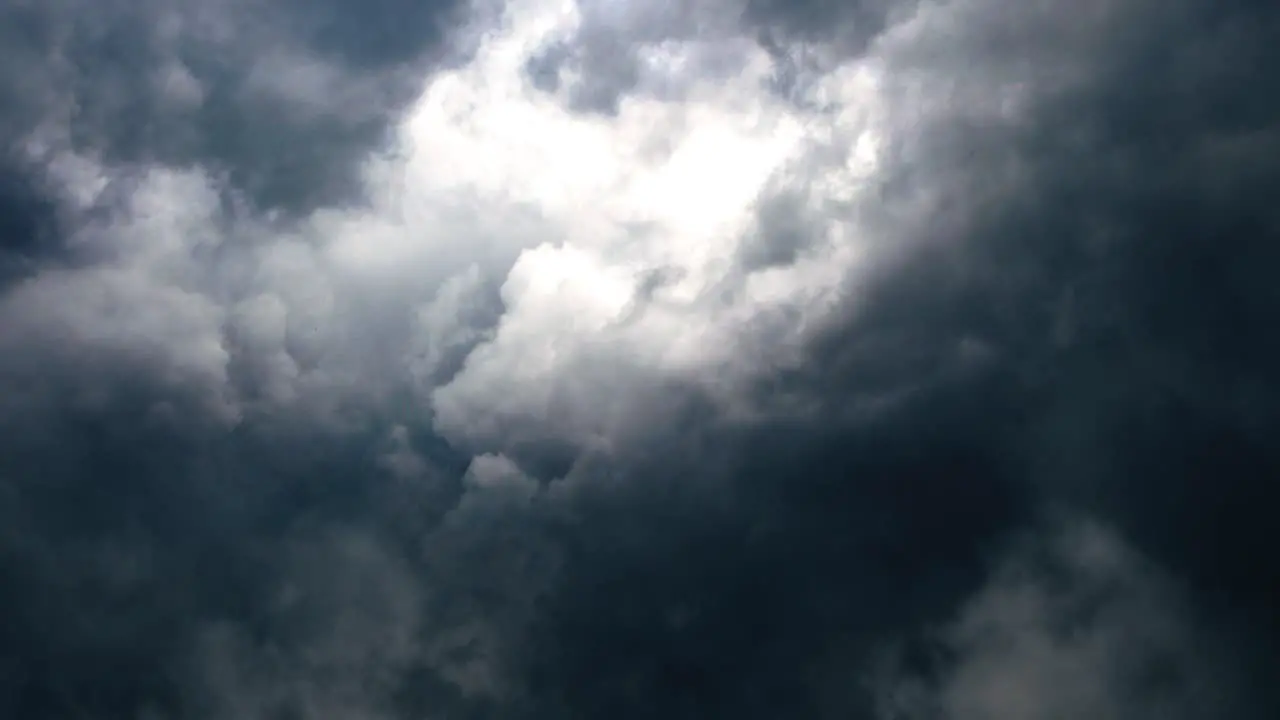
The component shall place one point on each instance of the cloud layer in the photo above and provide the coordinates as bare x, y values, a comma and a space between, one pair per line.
605, 359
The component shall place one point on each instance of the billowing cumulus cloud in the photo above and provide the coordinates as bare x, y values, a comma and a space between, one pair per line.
544, 358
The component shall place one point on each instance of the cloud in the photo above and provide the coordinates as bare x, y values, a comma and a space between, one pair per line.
284, 102
1071, 623
603, 359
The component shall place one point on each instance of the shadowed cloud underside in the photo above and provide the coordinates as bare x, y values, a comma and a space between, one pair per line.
897, 360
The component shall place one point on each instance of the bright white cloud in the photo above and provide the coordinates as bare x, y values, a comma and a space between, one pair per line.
648, 210
614, 242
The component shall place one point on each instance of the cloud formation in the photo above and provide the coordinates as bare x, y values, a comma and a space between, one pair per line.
606, 359
1071, 624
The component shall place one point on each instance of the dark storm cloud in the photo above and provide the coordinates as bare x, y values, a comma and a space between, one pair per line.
1144, 247
1071, 622
152, 566
743, 572
1084, 307
28, 219
284, 100
1074, 307
1121, 285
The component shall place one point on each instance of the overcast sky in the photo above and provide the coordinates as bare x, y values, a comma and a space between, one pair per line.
614, 359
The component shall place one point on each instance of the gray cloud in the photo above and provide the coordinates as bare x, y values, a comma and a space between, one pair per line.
474, 448
1072, 623
283, 101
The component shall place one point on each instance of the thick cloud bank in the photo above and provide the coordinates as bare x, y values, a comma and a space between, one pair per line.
609, 359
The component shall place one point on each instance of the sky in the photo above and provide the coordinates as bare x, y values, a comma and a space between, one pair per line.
587, 359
